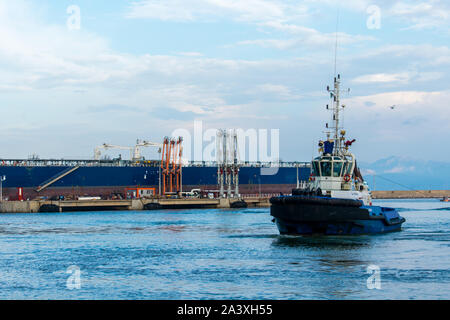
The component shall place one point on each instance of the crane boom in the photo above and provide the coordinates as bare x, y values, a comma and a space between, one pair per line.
135, 152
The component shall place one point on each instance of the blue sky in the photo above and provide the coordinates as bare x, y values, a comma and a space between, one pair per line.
143, 68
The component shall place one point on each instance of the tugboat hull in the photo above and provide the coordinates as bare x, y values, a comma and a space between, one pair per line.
334, 228
306, 215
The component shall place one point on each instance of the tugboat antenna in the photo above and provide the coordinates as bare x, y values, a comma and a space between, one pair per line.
336, 93
336, 44
337, 82
336, 105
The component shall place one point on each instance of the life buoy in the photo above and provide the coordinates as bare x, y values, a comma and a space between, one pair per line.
311, 177
347, 178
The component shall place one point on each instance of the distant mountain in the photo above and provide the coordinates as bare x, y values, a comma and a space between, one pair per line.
402, 173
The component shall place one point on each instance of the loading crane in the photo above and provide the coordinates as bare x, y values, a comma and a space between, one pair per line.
135, 152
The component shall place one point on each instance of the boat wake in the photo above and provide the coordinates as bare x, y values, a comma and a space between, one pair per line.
417, 209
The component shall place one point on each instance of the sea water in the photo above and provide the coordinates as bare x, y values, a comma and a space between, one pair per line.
220, 254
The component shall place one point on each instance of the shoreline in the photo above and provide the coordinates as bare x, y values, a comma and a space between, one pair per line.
42, 206
410, 194
48, 206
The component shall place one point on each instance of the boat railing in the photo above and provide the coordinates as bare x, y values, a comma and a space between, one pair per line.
260, 195
142, 163
258, 164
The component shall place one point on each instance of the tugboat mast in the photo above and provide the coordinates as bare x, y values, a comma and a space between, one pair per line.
335, 94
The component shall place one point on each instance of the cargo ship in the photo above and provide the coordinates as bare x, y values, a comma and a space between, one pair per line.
30, 179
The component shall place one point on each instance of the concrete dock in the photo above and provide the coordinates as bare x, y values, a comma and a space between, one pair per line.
35, 206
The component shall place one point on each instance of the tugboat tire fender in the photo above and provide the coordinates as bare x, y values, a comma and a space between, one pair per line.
316, 201
395, 221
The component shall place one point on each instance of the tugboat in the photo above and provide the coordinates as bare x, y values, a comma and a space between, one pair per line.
336, 200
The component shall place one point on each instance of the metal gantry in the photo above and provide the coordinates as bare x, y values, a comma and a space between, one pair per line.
2, 179
227, 154
171, 166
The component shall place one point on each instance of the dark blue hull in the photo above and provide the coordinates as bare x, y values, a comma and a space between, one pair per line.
106, 180
306, 215
335, 228
31, 177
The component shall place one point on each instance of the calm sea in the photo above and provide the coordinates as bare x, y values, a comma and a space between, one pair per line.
219, 254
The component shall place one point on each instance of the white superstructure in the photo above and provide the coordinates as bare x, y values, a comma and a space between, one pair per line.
335, 173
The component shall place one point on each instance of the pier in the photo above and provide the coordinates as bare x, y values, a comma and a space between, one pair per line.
35, 206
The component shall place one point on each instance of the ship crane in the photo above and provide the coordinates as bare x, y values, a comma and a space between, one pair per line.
143, 144
105, 146
135, 152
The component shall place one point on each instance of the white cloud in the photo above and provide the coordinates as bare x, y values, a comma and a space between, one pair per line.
313, 36
414, 99
42, 57
421, 14
383, 78
400, 169
274, 15
416, 14
279, 91
48, 55
418, 117
418, 123
281, 44
309, 38
191, 54
51, 75
356, 5
207, 10
368, 172
398, 78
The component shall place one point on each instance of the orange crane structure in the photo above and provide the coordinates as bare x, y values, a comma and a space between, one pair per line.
171, 166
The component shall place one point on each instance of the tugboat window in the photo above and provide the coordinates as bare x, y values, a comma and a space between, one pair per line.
325, 167
316, 168
347, 168
337, 166
344, 170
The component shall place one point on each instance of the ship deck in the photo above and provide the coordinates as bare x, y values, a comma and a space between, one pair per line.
142, 163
